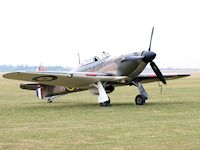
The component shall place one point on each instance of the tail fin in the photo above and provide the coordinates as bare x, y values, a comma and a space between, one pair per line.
40, 68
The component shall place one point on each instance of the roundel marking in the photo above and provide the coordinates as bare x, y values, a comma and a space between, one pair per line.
45, 78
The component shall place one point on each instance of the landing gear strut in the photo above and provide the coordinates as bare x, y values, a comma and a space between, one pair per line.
140, 99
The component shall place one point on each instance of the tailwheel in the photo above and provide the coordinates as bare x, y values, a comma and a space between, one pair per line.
140, 100
106, 103
49, 100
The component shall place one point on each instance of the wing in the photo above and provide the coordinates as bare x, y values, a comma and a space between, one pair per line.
78, 79
146, 78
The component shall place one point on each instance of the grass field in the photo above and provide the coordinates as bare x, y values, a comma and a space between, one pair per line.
75, 121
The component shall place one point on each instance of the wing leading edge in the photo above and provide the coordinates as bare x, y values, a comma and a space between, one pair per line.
146, 78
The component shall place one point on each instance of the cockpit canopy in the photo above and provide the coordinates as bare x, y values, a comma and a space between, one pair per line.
95, 59
91, 60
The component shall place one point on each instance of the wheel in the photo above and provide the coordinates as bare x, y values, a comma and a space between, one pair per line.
49, 100
106, 103
139, 100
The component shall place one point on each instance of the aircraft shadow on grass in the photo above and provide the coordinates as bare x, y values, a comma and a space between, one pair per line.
74, 105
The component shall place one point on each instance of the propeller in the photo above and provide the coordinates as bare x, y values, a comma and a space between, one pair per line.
157, 72
149, 56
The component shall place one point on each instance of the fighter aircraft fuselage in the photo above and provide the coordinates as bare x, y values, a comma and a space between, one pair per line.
130, 65
99, 76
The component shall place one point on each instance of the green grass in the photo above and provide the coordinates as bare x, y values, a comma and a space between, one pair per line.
75, 121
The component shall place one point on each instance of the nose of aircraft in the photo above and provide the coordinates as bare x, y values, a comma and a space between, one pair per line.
148, 56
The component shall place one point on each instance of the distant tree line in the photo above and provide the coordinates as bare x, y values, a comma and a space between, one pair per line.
8, 68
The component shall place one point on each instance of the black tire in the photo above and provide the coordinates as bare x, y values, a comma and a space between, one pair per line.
139, 100
106, 103
49, 101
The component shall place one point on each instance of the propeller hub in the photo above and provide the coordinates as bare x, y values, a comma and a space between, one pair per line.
148, 56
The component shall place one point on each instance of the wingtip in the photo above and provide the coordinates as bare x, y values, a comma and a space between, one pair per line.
5, 75
184, 75
8, 75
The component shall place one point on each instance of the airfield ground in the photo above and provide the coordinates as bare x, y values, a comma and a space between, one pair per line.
75, 121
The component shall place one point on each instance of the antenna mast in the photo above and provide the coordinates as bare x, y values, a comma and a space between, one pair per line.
79, 59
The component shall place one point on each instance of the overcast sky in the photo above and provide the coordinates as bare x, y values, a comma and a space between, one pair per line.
52, 32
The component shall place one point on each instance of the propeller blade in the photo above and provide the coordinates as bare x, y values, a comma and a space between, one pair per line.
157, 72
151, 39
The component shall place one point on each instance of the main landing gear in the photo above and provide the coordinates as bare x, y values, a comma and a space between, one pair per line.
103, 98
140, 99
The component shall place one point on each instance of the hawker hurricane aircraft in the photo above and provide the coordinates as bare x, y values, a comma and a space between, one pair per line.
99, 76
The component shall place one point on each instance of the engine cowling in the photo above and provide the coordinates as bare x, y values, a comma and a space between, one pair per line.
108, 88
